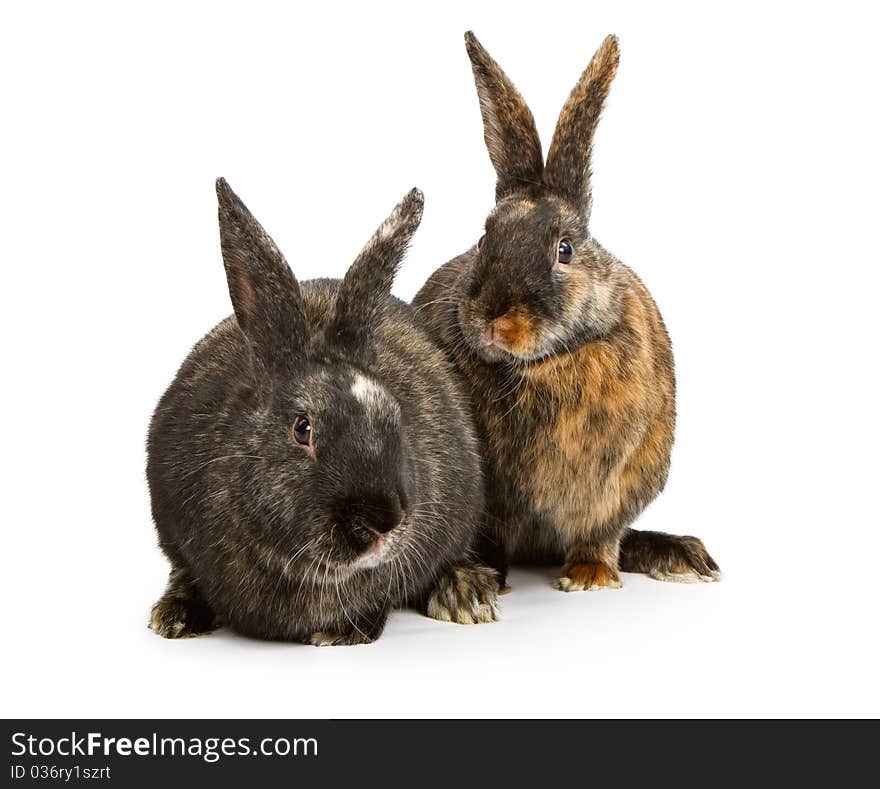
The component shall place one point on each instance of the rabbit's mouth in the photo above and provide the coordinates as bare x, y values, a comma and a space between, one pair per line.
514, 336
367, 551
511, 340
365, 529
347, 562
377, 553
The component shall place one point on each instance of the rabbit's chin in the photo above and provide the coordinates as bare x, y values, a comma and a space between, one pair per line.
495, 353
492, 353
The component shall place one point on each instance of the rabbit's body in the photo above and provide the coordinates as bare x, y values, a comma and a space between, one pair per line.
577, 442
315, 541
566, 357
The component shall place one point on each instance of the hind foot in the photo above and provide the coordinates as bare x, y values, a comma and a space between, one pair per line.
466, 595
688, 562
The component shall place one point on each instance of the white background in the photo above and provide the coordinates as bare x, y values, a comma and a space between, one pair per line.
736, 170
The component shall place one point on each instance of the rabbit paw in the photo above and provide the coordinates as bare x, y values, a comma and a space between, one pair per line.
181, 617
327, 639
688, 562
587, 577
467, 595
685, 575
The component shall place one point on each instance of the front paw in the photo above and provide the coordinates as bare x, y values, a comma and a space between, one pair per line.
466, 595
181, 617
328, 639
587, 577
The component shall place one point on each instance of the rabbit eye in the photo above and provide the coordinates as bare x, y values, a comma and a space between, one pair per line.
564, 253
302, 431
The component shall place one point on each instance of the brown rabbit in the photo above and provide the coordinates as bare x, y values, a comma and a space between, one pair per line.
565, 353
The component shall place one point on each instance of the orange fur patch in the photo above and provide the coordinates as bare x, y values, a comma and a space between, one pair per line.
593, 575
516, 331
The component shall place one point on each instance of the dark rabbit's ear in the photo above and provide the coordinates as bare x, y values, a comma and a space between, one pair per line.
568, 161
265, 294
367, 284
508, 125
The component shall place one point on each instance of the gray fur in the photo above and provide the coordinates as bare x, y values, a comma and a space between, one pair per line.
312, 543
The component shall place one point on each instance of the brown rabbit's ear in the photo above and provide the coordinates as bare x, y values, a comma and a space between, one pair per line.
265, 294
367, 284
568, 162
508, 125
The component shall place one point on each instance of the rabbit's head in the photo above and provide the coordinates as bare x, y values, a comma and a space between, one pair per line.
335, 479
540, 284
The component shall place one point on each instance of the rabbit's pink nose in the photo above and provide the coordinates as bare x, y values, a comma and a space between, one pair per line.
490, 334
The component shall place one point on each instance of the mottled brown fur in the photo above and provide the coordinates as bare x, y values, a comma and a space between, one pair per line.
603, 418
574, 390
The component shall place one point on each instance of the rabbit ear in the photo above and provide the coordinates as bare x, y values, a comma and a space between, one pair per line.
508, 125
265, 294
568, 162
367, 284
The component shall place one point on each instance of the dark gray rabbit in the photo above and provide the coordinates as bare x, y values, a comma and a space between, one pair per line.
565, 354
314, 463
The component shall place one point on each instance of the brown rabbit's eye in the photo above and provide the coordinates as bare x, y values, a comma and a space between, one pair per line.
565, 253
302, 431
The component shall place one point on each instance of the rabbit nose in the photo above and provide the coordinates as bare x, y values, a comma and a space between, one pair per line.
391, 518
368, 514
498, 329
511, 330
381, 526
379, 514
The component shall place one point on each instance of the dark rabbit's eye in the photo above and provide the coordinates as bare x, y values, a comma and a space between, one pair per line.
565, 253
302, 431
